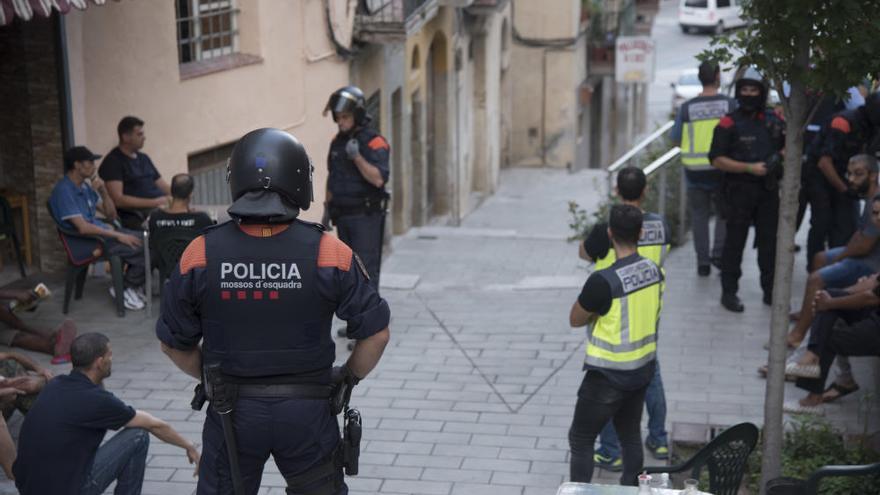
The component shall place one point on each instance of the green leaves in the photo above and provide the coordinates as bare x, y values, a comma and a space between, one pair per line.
841, 35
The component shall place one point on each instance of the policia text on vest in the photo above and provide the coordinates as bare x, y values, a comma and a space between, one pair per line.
249, 310
621, 306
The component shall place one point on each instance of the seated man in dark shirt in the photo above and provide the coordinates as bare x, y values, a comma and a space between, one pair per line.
132, 180
172, 230
58, 447
179, 215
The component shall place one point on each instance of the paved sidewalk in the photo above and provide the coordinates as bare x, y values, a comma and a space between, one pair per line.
477, 388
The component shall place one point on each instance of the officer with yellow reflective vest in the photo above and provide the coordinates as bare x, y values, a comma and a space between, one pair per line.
693, 130
654, 244
621, 306
655, 239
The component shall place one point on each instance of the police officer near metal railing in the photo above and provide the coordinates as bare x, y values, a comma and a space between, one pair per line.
357, 173
248, 313
694, 126
746, 146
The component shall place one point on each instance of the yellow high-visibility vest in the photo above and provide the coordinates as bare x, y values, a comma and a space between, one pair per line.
654, 243
699, 118
625, 338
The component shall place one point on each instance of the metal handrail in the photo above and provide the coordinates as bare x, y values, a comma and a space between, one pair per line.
658, 164
640, 146
662, 160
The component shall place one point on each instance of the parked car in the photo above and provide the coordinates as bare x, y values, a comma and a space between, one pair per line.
710, 15
686, 87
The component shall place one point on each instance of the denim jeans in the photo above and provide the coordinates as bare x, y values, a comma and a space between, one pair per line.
702, 202
655, 404
122, 459
598, 402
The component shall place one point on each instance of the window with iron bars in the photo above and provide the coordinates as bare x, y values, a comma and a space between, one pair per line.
206, 29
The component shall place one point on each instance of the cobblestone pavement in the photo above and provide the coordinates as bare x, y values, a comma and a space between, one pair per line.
476, 390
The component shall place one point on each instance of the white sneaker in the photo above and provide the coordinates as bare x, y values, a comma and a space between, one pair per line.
129, 299
132, 296
141, 293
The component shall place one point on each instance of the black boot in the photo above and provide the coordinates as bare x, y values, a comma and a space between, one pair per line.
768, 299
732, 303
704, 270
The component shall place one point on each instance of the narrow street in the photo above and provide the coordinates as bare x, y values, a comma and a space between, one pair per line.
476, 391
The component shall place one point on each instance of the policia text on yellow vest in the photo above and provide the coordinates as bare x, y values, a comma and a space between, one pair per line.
654, 242
620, 305
699, 117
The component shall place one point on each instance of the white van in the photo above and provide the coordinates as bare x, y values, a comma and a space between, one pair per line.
710, 15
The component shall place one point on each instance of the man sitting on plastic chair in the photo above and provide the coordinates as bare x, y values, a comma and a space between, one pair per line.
74, 202
172, 230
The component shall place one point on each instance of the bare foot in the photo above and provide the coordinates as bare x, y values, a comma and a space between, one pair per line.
811, 400
809, 359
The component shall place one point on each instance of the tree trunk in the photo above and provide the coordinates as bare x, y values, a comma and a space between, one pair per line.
795, 117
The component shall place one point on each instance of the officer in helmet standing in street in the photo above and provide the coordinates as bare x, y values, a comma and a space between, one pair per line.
746, 146
248, 311
358, 170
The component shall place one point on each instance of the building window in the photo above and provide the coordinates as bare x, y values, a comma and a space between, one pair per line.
206, 29
373, 109
208, 169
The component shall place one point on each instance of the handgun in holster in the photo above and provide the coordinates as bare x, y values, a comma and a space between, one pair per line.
199, 397
351, 441
775, 171
351, 429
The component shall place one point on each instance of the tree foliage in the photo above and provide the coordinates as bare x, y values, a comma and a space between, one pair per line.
842, 36
818, 47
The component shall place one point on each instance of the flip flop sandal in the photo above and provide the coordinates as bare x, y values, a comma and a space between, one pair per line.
795, 407
803, 370
762, 370
841, 392
788, 347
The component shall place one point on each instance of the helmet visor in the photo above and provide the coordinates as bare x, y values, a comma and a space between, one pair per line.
341, 101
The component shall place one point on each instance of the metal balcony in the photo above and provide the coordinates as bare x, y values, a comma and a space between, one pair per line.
391, 21
485, 7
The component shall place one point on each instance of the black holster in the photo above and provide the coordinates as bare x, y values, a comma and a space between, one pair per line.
775, 171
351, 441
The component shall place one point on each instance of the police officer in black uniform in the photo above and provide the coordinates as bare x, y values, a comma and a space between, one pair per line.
746, 145
251, 304
358, 171
833, 208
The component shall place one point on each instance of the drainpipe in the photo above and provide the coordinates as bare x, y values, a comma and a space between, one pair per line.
456, 69
63, 74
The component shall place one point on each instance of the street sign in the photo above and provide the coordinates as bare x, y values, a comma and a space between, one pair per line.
634, 59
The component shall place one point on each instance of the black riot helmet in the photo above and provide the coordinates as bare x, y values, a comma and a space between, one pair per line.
348, 99
273, 160
751, 77
872, 108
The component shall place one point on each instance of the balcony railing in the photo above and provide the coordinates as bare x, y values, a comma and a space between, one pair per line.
485, 7
392, 20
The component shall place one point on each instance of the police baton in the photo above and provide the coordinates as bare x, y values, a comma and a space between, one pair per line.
223, 402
